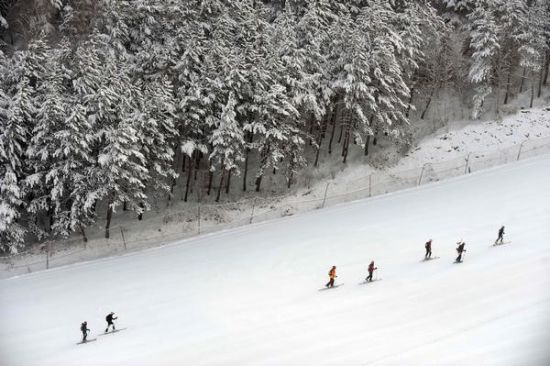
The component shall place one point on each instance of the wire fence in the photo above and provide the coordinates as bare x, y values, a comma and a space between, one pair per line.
203, 218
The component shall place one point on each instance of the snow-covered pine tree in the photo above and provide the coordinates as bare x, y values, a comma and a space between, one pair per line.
22, 77
484, 44
227, 143
512, 16
352, 70
534, 44
391, 56
154, 122
59, 151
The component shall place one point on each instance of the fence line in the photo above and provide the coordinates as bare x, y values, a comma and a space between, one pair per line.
207, 218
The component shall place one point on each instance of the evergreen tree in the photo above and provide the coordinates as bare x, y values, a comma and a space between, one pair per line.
485, 46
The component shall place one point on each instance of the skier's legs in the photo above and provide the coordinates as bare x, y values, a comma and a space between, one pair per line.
84, 335
459, 258
369, 277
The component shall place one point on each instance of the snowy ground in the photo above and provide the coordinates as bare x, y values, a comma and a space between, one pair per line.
249, 296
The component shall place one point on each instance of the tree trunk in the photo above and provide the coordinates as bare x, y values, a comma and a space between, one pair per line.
228, 184
334, 118
341, 132
428, 103
410, 103
546, 67
263, 160
109, 216
532, 93
311, 125
507, 95
540, 83
142, 206
367, 145
84, 237
124, 206
210, 179
197, 163
250, 136
320, 140
289, 183
345, 149
220, 186
522, 80
176, 167
189, 175
258, 182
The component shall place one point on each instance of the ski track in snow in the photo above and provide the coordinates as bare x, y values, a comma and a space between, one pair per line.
250, 296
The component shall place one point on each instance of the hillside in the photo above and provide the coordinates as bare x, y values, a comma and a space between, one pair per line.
249, 296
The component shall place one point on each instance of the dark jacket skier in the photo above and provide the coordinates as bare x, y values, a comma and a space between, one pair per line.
500, 236
460, 249
371, 270
84, 329
332, 277
428, 247
109, 318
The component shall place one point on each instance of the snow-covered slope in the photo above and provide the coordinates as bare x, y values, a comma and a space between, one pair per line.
250, 296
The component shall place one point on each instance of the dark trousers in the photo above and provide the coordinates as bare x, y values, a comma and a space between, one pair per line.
500, 238
459, 258
428, 253
330, 283
84, 335
108, 325
369, 277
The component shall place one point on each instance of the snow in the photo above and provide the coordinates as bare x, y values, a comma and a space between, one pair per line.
249, 296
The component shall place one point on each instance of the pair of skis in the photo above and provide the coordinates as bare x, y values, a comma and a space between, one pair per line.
341, 284
95, 339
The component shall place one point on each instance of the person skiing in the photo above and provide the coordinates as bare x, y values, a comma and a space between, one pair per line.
109, 318
460, 249
371, 270
332, 276
84, 329
500, 236
428, 247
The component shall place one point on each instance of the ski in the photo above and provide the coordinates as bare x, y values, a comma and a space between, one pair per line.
367, 282
330, 288
88, 341
499, 244
428, 259
113, 331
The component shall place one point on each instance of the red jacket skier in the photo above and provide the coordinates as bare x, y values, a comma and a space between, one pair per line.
372, 268
332, 276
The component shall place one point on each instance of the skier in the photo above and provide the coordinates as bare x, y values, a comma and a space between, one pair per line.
500, 236
109, 318
372, 268
332, 275
460, 249
428, 247
84, 329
